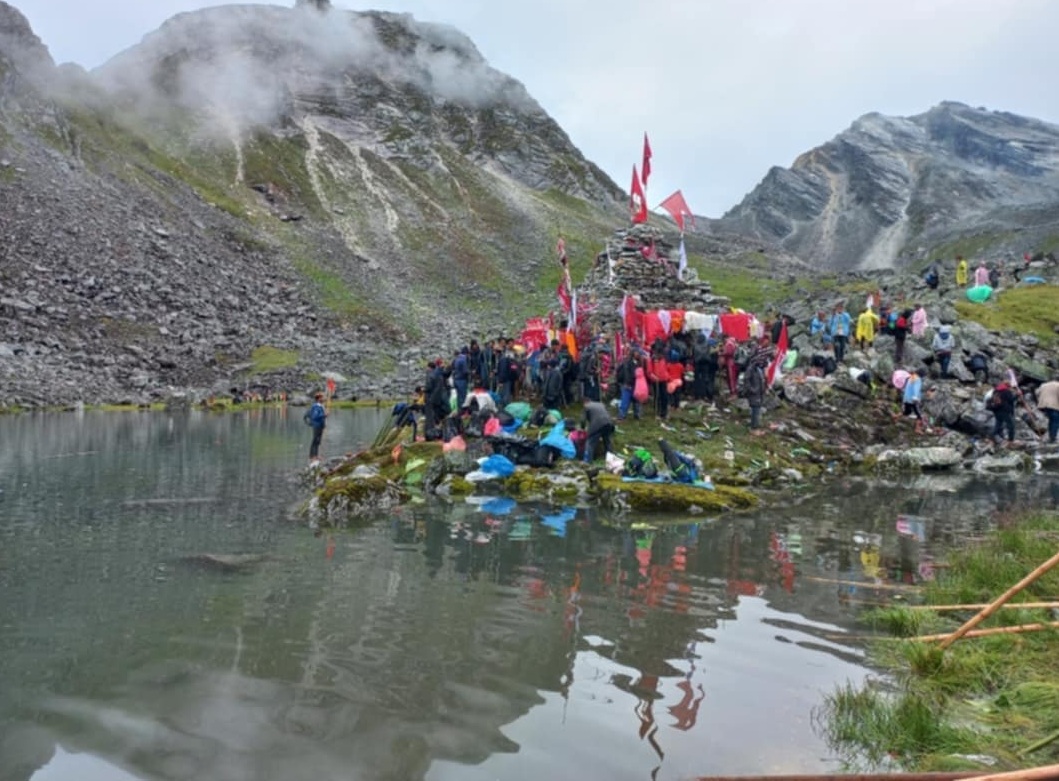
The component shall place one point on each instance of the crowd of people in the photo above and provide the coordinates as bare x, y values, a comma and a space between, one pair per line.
483, 379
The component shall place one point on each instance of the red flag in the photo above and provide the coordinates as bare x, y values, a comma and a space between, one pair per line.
564, 295
637, 201
678, 208
646, 167
774, 372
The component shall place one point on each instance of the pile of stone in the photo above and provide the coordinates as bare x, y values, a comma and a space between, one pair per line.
624, 270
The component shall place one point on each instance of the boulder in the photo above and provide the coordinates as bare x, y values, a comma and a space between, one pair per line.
801, 394
1006, 462
926, 458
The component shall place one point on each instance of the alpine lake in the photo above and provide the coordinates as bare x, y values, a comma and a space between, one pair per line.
164, 615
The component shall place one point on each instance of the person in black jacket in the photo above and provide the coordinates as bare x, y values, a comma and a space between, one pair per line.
704, 364
1002, 403
552, 387
437, 396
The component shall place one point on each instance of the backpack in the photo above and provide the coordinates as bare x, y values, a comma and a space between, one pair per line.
640, 464
640, 390
743, 353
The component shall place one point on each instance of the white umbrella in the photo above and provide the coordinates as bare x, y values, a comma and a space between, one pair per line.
334, 376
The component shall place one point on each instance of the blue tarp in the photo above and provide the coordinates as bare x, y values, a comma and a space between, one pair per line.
558, 439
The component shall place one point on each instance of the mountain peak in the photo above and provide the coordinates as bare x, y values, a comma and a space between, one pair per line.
19, 45
887, 186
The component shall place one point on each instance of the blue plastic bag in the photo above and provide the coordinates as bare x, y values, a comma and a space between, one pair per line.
558, 439
498, 465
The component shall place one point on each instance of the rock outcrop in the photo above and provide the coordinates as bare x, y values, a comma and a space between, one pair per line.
892, 189
335, 186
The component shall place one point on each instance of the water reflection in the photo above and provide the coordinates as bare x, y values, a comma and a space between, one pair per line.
481, 640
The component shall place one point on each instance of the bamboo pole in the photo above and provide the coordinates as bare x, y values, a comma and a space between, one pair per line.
948, 776
999, 630
979, 606
1039, 744
995, 604
1043, 773
1028, 774
858, 583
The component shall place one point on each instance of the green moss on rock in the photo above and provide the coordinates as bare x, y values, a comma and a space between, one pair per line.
672, 497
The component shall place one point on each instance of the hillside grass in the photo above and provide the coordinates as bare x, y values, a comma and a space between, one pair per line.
970, 246
1033, 310
272, 359
745, 281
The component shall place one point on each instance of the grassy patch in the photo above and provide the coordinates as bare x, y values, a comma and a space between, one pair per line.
271, 359
996, 695
969, 247
1032, 310
742, 281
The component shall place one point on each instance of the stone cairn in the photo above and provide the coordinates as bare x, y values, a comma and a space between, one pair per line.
622, 269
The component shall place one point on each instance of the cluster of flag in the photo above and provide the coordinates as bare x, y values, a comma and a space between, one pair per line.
675, 204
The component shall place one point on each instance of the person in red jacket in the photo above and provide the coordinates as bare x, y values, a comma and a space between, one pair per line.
658, 375
731, 370
675, 381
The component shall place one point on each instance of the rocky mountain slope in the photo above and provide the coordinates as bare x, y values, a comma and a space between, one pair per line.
257, 192
893, 189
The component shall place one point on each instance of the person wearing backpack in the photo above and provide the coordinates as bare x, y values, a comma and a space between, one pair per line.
316, 417
626, 379
901, 327
1002, 405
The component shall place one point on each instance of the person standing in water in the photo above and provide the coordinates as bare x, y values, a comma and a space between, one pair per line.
317, 418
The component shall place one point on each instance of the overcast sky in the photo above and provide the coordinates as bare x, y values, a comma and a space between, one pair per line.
725, 88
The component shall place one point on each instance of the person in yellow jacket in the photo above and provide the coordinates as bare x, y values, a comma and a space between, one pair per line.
961, 270
867, 322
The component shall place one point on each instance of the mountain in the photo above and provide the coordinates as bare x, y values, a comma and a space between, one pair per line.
265, 193
893, 189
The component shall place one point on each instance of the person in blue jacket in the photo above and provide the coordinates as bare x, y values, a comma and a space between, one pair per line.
839, 328
317, 418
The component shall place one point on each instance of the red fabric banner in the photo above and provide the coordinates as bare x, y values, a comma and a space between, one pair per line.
678, 208
781, 353
637, 201
646, 167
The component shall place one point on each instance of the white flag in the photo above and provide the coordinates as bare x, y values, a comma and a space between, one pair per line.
573, 308
683, 260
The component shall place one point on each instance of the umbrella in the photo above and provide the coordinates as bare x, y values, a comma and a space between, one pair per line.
334, 376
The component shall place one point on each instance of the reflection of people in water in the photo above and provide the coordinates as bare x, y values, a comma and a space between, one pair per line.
686, 712
645, 689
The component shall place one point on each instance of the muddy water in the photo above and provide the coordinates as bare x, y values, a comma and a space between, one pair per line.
162, 618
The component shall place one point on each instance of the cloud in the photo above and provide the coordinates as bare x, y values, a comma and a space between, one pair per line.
726, 89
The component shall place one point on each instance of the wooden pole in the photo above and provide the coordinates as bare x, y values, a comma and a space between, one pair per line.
999, 630
1043, 773
979, 606
1029, 774
1039, 744
995, 604
859, 583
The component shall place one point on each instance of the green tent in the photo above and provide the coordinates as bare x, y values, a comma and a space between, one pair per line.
979, 293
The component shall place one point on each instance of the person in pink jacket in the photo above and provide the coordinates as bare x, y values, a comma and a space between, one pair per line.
919, 321
981, 274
